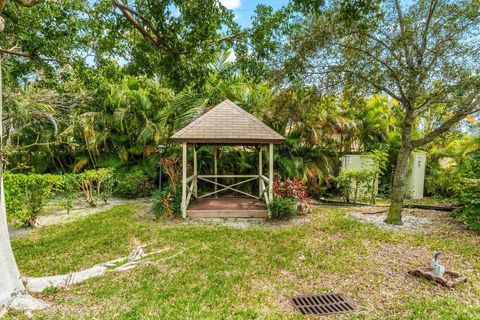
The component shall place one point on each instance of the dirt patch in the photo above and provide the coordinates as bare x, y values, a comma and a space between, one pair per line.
410, 222
415, 220
244, 223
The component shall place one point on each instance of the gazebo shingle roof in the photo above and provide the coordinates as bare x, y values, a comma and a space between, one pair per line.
227, 123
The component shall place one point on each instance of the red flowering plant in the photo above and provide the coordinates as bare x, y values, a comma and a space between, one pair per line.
294, 189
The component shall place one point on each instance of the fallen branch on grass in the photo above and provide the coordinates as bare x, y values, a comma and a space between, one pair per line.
26, 303
136, 257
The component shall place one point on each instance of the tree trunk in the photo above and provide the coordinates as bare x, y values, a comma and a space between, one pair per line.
398, 189
10, 282
400, 176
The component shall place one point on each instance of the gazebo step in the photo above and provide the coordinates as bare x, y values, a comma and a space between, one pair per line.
227, 208
227, 214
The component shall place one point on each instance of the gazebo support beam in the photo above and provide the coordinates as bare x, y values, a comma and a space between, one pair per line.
260, 173
184, 181
270, 175
195, 171
215, 167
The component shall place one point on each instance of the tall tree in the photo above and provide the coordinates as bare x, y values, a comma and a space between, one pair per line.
45, 48
424, 54
172, 40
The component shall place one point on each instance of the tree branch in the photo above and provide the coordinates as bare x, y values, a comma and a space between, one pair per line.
444, 127
16, 53
157, 40
398, 8
425, 32
379, 60
30, 55
339, 69
28, 4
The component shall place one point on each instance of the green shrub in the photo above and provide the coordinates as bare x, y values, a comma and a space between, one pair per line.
135, 184
70, 189
27, 194
96, 184
283, 208
354, 181
168, 202
468, 197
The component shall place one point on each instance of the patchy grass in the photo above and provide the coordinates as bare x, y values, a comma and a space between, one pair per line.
231, 273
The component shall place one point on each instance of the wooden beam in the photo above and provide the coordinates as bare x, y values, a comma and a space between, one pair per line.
230, 187
270, 174
215, 168
228, 176
184, 181
227, 213
260, 173
195, 173
265, 191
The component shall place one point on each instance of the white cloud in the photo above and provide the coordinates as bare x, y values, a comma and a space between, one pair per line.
231, 4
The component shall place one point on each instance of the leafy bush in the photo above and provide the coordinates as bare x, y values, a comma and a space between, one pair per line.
283, 208
441, 182
468, 197
168, 202
135, 184
351, 181
70, 188
294, 189
96, 184
27, 194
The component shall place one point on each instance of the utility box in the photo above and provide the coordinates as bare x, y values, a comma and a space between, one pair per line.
416, 175
359, 162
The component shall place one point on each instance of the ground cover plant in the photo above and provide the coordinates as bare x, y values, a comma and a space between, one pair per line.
225, 272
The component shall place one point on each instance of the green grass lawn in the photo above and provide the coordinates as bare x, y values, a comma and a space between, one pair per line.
232, 273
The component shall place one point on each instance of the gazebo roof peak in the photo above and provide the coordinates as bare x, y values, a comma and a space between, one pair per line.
227, 123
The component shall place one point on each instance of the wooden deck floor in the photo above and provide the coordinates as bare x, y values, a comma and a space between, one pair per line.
227, 208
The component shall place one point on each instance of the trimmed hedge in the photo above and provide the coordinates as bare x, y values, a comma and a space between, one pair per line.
26, 194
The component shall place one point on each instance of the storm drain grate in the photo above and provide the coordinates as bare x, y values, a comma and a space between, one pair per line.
322, 304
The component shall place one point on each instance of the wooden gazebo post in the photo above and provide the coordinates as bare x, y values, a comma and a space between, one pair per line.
226, 124
260, 171
270, 175
184, 180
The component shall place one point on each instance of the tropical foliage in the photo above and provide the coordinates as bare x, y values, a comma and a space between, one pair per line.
100, 84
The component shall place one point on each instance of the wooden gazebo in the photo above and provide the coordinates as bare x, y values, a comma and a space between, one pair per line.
226, 124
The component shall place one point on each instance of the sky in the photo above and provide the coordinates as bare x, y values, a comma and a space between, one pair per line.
244, 9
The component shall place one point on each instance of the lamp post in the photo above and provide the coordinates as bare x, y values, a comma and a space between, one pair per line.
161, 151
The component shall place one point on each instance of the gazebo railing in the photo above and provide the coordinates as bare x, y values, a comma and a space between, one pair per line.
190, 183
230, 187
264, 182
